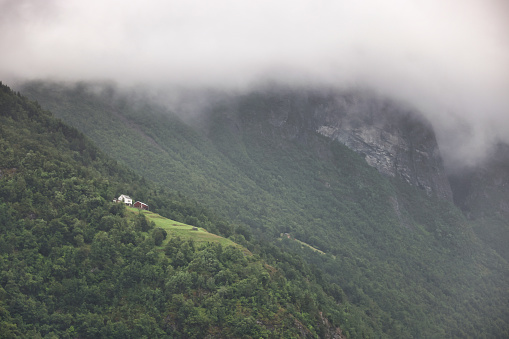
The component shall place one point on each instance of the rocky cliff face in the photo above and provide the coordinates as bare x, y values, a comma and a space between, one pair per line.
393, 139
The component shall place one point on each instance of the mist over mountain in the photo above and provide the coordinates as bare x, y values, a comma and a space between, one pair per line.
246, 107
450, 59
409, 263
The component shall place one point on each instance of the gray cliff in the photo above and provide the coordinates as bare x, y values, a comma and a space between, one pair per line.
393, 138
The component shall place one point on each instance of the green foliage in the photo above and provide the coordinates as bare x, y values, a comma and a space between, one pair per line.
159, 235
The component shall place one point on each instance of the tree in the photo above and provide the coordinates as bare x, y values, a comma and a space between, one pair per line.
159, 236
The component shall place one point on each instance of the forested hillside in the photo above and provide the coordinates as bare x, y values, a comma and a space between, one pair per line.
410, 265
74, 264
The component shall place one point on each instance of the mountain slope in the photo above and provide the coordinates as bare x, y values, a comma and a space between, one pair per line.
410, 262
381, 231
75, 264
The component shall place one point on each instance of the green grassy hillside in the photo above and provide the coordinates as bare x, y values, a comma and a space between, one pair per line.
409, 264
184, 231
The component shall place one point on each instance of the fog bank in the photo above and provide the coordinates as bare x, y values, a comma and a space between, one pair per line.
448, 58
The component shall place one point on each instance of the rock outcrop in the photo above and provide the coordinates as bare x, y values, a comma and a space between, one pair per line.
395, 140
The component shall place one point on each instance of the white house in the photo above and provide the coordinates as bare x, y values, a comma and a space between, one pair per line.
125, 199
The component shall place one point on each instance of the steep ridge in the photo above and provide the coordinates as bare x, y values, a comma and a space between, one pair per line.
408, 260
74, 264
394, 139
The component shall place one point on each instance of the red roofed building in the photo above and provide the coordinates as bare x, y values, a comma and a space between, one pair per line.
141, 205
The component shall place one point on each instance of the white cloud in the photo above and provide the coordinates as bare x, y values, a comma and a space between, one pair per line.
450, 58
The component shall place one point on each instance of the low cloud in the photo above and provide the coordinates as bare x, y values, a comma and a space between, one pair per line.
448, 58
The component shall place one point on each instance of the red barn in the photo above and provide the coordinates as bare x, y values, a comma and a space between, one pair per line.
141, 205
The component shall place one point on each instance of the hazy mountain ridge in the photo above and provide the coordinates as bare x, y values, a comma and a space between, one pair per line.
394, 139
267, 167
396, 142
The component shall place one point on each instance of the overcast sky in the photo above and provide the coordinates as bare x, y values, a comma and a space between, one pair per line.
449, 58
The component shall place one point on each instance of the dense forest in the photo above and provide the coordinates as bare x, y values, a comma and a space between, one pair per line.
342, 245
74, 264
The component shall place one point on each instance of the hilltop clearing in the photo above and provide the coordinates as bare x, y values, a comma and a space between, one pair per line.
184, 231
